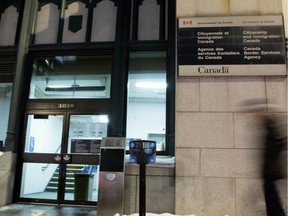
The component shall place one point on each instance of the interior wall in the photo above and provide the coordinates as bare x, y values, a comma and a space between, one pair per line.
4, 110
139, 124
5, 98
218, 150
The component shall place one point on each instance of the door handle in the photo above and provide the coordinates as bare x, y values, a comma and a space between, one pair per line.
67, 158
58, 158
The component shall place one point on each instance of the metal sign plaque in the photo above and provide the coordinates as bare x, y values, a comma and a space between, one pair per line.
227, 46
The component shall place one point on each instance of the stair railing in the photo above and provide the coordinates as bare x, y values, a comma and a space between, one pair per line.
44, 167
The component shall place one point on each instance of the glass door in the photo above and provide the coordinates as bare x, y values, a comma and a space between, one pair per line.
83, 149
61, 158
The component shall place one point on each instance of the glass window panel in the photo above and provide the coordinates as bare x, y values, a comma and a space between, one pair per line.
104, 21
146, 104
46, 27
71, 77
75, 23
8, 26
5, 100
39, 183
149, 20
44, 134
81, 182
86, 132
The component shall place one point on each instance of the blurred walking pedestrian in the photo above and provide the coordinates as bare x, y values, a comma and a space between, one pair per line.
274, 158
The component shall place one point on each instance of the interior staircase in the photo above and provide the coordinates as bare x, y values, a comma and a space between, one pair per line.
52, 186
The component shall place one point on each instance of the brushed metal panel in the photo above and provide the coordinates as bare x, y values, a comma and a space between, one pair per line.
110, 194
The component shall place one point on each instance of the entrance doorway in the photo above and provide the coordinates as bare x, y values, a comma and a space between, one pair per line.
60, 157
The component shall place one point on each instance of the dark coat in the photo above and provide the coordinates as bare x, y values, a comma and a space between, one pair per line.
275, 145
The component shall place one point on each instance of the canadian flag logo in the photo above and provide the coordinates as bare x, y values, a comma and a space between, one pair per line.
187, 22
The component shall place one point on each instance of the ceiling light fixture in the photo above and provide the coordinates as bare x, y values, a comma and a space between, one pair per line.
151, 85
76, 88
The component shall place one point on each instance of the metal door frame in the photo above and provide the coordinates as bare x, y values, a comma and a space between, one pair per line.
50, 158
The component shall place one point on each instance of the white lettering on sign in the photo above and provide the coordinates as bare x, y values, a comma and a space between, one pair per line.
218, 70
66, 106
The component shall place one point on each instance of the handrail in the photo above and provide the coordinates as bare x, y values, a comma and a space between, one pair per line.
88, 169
43, 168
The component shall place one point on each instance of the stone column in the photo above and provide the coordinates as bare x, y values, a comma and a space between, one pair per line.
8, 159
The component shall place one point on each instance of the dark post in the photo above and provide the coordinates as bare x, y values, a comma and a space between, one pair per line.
142, 160
142, 152
142, 195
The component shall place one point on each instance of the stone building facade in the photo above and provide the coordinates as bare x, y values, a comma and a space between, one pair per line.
217, 150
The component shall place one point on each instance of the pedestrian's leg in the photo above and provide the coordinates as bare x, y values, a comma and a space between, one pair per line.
273, 204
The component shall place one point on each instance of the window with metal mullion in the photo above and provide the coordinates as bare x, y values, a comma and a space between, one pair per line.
86, 2
118, 91
89, 22
107, 21
19, 5
91, 6
42, 3
4, 4
135, 19
170, 103
7, 66
122, 21
162, 21
61, 22
64, 6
